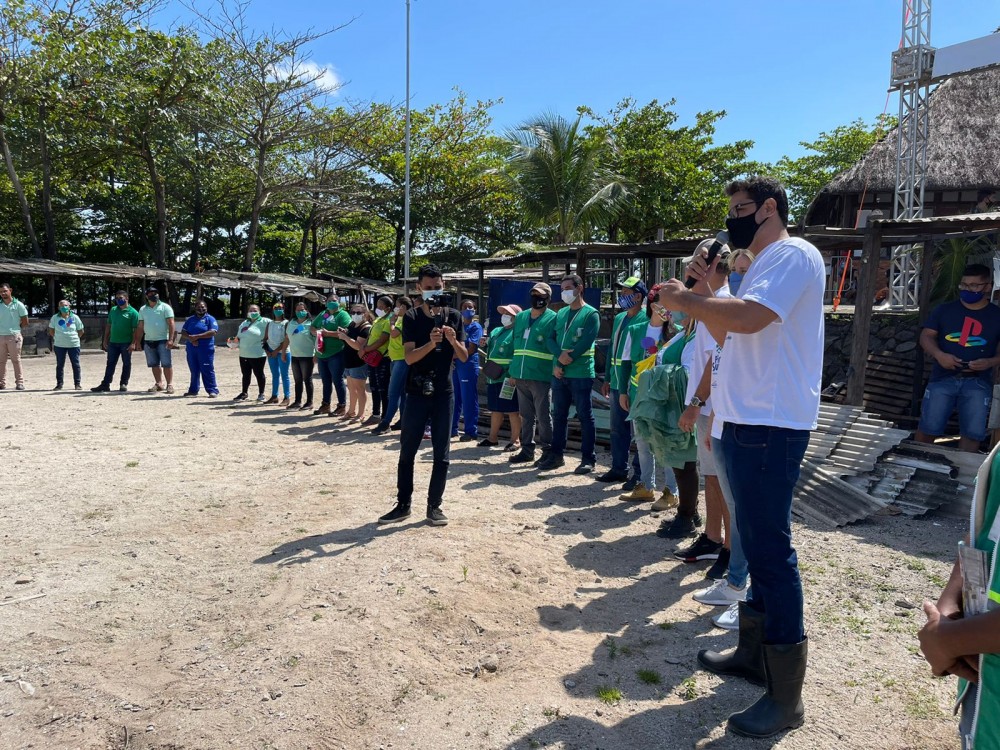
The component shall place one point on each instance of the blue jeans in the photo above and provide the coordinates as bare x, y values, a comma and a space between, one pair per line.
201, 363
421, 410
114, 352
74, 360
464, 380
738, 572
157, 354
397, 390
279, 369
621, 438
762, 466
972, 396
576, 391
331, 372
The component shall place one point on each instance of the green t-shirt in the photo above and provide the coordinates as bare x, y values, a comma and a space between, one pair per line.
301, 339
396, 349
327, 321
66, 330
123, 322
10, 316
251, 336
380, 328
154, 321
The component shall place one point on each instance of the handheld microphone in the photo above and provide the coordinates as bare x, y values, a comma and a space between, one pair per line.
721, 239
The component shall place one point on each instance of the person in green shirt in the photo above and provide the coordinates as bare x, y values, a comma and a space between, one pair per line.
531, 371
119, 332
330, 355
66, 331
572, 344
251, 336
962, 637
500, 351
379, 375
13, 320
156, 332
631, 300
397, 368
300, 340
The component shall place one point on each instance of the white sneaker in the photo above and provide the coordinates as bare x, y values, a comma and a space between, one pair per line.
730, 619
720, 593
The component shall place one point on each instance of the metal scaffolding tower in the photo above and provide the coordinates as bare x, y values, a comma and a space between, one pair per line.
911, 76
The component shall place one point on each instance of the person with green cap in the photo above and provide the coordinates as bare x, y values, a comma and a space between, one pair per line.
330, 354
630, 301
66, 331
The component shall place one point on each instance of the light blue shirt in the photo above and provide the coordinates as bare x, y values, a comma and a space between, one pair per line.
66, 330
154, 321
251, 336
10, 316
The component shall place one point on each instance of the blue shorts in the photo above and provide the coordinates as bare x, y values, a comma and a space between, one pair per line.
157, 354
358, 373
970, 395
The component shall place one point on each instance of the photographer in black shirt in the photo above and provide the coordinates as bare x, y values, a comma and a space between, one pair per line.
433, 336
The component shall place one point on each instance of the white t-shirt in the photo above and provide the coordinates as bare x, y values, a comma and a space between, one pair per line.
652, 332
703, 348
773, 377
687, 353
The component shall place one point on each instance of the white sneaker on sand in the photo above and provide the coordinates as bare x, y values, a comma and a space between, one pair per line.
730, 619
720, 594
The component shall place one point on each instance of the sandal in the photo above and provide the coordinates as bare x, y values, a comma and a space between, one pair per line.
511, 447
487, 443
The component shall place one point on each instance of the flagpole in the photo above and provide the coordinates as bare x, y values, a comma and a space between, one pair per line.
406, 198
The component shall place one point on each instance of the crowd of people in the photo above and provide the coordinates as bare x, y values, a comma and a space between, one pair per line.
717, 380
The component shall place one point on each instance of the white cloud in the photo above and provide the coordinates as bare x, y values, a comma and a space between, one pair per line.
324, 76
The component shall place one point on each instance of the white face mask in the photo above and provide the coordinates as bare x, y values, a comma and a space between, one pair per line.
357, 318
397, 310
568, 295
379, 312
431, 293
506, 320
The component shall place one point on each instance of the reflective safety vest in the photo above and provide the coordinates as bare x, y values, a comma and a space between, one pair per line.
532, 359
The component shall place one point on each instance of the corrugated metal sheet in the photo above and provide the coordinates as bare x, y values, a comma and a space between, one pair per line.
823, 497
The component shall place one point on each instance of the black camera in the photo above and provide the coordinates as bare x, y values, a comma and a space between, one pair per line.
442, 299
422, 384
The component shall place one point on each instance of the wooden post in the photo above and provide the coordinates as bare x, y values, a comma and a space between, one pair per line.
484, 314
923, 308
545, 271
863, 314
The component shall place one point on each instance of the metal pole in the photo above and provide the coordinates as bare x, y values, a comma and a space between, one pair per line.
406, 198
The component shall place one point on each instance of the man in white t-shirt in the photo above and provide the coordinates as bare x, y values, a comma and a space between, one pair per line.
768, 398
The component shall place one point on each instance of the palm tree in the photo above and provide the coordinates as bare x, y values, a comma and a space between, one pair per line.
560, 174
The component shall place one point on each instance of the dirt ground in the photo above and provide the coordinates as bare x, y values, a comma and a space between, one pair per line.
213, 578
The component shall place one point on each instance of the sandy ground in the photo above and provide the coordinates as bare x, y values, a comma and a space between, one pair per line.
213, 578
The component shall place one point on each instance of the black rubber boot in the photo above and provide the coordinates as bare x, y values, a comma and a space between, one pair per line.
747, 660
780, 707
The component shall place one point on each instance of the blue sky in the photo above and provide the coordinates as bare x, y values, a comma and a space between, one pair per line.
784, 70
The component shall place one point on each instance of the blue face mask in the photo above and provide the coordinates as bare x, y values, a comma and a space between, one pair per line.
678, 317
969, 297
468, 314
735, 279
626, 301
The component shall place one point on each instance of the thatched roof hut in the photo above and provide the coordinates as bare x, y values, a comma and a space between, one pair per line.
963, 158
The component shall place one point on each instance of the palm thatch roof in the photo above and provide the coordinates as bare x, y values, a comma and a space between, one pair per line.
963, 149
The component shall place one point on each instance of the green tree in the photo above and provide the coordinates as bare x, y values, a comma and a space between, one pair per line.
676, 174
830, 154
563, 177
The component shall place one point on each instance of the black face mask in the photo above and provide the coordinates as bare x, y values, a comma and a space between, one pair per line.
742, 230
539, 303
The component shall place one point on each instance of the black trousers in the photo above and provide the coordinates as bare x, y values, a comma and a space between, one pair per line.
687, 489
420, 410
378, 379
302, 373
254, 365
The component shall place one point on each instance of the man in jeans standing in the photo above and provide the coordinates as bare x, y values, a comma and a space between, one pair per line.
123, 320
433, 336
631, 301
572, 344
13, 319
531, 371
768, 398
963, 337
